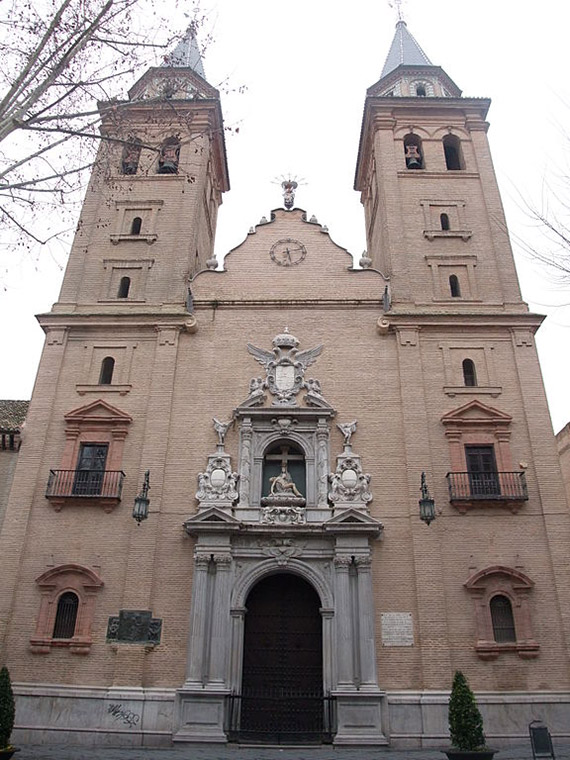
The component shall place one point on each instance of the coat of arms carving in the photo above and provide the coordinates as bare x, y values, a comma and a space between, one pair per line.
285, 368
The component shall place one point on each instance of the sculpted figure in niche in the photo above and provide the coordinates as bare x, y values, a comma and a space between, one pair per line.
283, 484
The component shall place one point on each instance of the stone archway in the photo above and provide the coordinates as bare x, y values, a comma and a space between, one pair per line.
282, 697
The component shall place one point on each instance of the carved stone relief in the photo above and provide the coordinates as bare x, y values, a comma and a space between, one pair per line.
217, 485
349, 485
285, 368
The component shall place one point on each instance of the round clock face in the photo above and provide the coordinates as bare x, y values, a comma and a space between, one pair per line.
287, 252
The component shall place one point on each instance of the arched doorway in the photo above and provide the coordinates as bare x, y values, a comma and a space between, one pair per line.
282, 683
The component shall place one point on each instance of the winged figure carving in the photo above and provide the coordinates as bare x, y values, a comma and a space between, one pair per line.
347, 429
307, 357
261, 355
285, 366
221, 429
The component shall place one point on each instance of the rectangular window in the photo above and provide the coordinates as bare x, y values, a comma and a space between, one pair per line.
90, 470
482, 471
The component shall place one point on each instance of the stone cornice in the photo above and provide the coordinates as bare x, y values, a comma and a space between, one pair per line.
97, 320
466, 319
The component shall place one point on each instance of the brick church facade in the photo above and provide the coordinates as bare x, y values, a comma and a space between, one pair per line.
273, 419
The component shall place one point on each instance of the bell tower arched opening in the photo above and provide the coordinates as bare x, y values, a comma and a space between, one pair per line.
282, 679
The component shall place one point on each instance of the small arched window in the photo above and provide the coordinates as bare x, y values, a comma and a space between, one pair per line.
453, 154
413, 152
131, 156
169, 156
454, 287
502, 619
66, 609
136, 226
106, 374
66, 616
124, 287
469, 374
421, 91
444, 221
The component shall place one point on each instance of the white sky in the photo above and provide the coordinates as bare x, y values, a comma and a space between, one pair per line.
307, 64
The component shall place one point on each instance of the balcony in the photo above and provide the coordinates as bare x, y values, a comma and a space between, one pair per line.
93, 486
470, 489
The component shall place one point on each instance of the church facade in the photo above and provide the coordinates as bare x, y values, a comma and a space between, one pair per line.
344, 478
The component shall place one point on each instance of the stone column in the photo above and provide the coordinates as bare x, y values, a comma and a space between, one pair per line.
196, 639
246, 434
220, 621
366, 609
236, 647
344, 642
330, 674
322, 464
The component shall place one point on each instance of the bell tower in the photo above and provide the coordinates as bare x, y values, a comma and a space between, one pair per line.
149, 218
434, 219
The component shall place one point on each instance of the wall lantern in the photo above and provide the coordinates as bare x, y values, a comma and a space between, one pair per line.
140, 509
427, 504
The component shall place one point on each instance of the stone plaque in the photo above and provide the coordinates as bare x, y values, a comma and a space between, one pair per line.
397, 629
134, 627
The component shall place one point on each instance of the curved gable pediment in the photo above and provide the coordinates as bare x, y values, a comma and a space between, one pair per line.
63, 573
481, 579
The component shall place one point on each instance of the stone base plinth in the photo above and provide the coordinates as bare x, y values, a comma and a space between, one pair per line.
359, 719
199, 716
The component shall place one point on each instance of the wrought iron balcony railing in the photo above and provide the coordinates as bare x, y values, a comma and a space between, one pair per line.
487, 486
85, 484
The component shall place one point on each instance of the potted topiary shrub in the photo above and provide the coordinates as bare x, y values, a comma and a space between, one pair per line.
7, 714
465, 724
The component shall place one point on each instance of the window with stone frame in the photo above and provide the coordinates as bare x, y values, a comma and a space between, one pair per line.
92, 458
125, 280
481, 470
67, 608
501, 599
136, 221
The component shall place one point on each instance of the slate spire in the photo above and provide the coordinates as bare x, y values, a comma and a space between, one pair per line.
404, 51
187, 53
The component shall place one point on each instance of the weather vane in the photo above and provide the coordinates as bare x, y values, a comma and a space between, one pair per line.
398, 5
288, 185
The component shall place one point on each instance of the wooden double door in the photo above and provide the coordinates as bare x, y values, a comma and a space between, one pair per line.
282, 698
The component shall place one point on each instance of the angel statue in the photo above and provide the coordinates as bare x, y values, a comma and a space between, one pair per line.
221, 429
347, 429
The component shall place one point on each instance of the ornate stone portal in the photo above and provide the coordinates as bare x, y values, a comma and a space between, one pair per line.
284, 513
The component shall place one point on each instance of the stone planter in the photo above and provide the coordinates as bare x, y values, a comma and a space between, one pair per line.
465, 754
6, 754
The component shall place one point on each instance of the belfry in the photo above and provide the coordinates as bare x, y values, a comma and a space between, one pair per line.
275, 420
